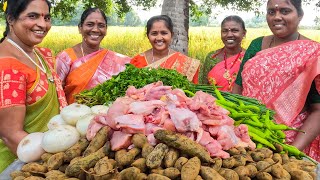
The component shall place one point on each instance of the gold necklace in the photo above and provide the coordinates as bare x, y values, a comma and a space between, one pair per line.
14, 44
81, 50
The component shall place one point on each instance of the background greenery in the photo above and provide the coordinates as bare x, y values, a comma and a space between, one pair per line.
132, 40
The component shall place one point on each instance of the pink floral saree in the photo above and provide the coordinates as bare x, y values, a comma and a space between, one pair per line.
281, 78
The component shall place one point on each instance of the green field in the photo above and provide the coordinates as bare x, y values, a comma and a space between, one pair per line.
132, 40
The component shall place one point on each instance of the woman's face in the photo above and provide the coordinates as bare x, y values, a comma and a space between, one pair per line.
232, 34
282, 18
93, 29
33, 23
160, 36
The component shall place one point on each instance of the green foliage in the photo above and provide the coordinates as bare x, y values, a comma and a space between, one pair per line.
117, 86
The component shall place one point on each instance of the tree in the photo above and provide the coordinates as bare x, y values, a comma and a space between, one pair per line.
178, 10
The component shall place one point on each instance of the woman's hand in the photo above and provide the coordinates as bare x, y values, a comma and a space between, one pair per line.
11, 126
311, 126
237, 89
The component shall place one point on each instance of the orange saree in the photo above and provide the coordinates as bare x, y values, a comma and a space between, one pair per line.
281, 78
83, 73
181, 63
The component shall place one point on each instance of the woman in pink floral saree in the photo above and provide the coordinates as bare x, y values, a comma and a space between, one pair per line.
282, 70
288, 88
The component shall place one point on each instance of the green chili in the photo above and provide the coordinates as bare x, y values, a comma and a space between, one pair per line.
259, 139
256, 131
252, 123
227, 103
242, 115
283, 127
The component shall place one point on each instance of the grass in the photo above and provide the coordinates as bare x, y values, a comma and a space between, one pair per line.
132, 40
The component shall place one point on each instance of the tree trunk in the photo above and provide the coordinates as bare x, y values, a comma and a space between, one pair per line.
178, 11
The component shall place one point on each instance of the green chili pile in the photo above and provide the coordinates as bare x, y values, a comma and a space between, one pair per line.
264, 132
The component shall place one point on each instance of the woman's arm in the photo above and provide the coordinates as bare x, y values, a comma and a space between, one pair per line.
237, 89
311, 126
254, 47
11, 123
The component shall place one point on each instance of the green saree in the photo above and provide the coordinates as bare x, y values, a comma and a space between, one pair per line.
37, 116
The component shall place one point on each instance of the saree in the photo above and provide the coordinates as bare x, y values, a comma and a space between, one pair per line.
281, 78
183, 64
38, 113
224, 73
83, 73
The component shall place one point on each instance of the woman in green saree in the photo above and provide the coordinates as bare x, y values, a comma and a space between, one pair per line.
31, 91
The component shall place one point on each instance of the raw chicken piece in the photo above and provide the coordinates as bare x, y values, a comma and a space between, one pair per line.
216, 121
184, 119
158, 116
93, 128
144, 107
244, 139
130, 123
119, 107
120, 140
225, 136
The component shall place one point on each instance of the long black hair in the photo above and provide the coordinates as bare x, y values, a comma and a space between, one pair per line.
13, 11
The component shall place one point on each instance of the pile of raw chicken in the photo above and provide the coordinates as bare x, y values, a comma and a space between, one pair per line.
156, 106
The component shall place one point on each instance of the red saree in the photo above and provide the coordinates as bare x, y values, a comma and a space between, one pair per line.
281, 78
86, 72
181, 63
224, 73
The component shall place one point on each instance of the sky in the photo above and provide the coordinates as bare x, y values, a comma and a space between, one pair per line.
310, 13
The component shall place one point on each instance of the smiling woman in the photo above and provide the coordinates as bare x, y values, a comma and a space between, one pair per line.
28, 82
159, 33
282, 71
86, 64
221, 66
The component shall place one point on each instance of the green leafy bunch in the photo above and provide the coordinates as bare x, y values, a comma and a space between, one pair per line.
138, 77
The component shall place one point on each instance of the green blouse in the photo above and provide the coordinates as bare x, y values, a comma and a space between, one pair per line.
206, 66
254, 47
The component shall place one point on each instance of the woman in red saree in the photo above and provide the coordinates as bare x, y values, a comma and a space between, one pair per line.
31, 91
221, 66
283, 72
86, 64
160, 32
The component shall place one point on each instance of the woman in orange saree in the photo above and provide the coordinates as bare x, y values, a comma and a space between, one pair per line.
177, 61
159, 32
86, 64
221, 66
31, 91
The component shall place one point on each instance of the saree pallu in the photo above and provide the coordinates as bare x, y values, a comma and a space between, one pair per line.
40, 112
281, 78
183, 64
225, 72
88, 71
